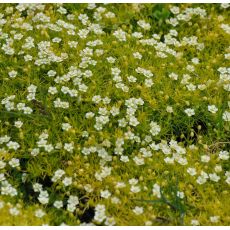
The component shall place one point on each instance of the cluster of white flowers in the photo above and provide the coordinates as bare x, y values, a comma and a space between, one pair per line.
154, 128
100, 215
72, 202
43, 143
43, 197
8, 189
32, 91
57, 175
120, 35
144, 25
132, 105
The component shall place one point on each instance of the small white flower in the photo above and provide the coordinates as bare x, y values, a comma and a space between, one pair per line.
154, 128
214, 177
52, 90
189, 112
138, 210
51, 73
212, 108
214, 219
169, 109
224, 155
105, 194
67, 181
111, 59
13, 145
137, 55
18, 124
180, 194
156, 190
205, 158
14, 211
226, 116
12, 74
39, 213
195, 222
14, 162
191, 171
58, 204
124, 158
66, 126
69, 147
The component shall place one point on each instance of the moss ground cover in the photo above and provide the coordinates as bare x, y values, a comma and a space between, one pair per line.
114, 114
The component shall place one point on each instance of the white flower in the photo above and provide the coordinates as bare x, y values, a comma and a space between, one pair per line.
138, 210
189, 112
32, 88
214, 177
39, 213
212, 108
67, 181
18, 124
133, 121
226, 116
35, 152
201, 180
43, 197
133, 181
105, 194
66, 126
27, 110
120, 35
89, 115
173, 76
51, 73
13, 145
12, 74
139, 160
114, 111
58, 204
37, 187
115, 200
99, 213
135, 189
195, 222
144, 25
205, 158
1, 204
62, 10
169, 109
156, 190
96, 99
14, 211
52, 90
137, 55
57, 175
14, 162
124, 158
111, 59
224, 155
180, 194
154, 128
175, 10
69, 147
214, 219
191, 171
88, 188
148, 82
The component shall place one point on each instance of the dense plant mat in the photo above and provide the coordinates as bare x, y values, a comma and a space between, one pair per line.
114, 114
